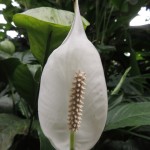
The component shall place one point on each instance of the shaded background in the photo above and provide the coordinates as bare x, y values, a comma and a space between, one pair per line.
121, 46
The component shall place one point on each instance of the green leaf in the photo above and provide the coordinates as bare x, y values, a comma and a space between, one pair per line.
24, 83
120, 4
8, 66
127, 115
10, 125
25, 57
33, 68
4, 55
119, 85
37, 76
133, 83
24, 109
47, 28
44, 142
106, 48
21, 77
114, 100
7, 46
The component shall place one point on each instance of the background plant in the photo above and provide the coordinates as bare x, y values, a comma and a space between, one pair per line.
23, 58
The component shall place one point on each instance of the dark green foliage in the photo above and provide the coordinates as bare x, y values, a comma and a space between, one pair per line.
22, 60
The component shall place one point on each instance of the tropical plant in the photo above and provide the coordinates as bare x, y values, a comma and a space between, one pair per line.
41, 27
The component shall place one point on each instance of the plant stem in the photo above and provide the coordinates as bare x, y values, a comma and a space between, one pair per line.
119, 85
72, 140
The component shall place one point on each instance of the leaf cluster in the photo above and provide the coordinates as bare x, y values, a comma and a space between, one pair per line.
41, 29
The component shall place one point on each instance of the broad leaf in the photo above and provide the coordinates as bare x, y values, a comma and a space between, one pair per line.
24, 83
25, 57
21, 77
44, 142
24, 109
126, 115
133, 83
10, 125
7, 67
47, 28
114, 100
7, 46
4, 55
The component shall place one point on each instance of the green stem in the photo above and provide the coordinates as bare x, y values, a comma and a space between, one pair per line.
72, 140
119, 85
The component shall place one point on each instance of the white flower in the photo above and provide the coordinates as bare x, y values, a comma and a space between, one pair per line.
74, 58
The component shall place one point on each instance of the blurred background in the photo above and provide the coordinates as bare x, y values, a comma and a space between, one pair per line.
119, 29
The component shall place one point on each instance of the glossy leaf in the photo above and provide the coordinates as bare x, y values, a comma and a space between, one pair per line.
22, 78
24, 83
127, 115
114, 100
8, 66
47, 27
7, 46
25, 57
44, 142
10, 125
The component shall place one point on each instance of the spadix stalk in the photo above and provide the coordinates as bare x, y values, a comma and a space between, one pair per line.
73, 94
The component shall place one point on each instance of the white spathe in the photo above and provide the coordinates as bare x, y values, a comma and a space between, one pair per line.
75, 54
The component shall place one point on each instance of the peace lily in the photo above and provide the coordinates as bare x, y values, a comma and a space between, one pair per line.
73, 95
